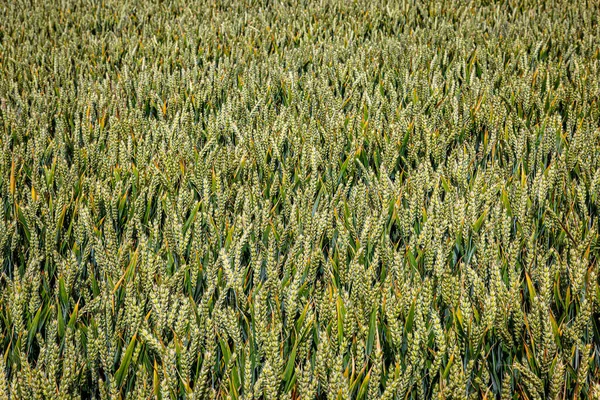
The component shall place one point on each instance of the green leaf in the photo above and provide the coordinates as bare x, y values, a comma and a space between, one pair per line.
120, 374
289, 369
504, 198
192, 217
530, 288
411, 317
362, 391
372, 330
33, 328
479, 222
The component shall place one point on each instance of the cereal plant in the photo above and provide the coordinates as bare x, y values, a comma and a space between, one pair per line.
325, 199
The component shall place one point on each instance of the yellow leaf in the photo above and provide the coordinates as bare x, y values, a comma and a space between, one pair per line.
12, 178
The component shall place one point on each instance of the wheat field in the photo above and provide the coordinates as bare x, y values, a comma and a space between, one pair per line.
322, 199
